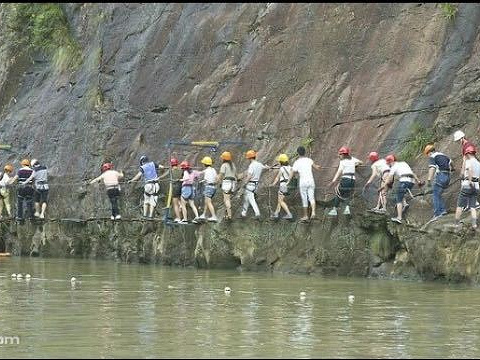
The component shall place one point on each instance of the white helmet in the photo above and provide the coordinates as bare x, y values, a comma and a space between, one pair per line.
458, 135
33, 162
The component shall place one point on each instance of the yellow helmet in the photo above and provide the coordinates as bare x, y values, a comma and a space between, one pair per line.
282, 158
25, 162
207, 160
8, 168
428, 149
251, 154
226, 156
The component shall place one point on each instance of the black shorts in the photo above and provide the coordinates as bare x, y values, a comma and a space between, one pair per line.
467, 197
177, 190
41, 196
26, 192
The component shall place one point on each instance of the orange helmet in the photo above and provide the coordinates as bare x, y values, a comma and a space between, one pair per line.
470, 150
226, 156
390, 159
184, 165
373, 156
251, 154
107, 166
428, 149
173, 162
8, 168
25, 162
344, 150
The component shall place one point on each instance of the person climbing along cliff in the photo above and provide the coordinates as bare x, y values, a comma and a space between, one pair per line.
380, 170
5, 182
459, 135
283, 175
188, 192
228, 178
111, 180
148, 169
406, 177
176, 175
210, 178
40, 175
469, 187
25, 190
303, 167
254, 172
439, 169
346, 173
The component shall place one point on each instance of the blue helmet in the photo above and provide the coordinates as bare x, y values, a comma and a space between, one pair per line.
143, 159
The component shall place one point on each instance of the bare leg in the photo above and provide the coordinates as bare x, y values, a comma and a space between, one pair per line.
228, 205
283, 204
194, 208
44, 208
399, 210
209, 204
184, 209
176, 207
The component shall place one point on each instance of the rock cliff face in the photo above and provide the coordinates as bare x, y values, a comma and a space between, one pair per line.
370, 76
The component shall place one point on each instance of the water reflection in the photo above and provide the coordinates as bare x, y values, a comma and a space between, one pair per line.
122, 310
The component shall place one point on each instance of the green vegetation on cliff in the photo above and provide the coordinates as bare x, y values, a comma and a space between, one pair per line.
419, 138
45, 28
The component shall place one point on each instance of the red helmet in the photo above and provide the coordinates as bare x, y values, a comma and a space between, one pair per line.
373, 156
390, 159
344, 150
470, 149
107, 166
173, 162
184, 165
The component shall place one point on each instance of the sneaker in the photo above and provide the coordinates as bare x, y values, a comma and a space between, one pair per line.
177, 220
37, 214
274, 216
397, 220
444, 213
195, 221
287, 217
466, 208
212, 219
42, 216
333, 212
380, 211
183, 221
374, 210
201, 217
347, 210
118, 217
112, 217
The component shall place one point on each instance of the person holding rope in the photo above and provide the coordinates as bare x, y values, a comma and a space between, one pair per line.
111, 180
380, 170
406, 178
303, 166
228, 178
25, 191
254, 172
440, 167
40, 175
283, 176
210, 178
469, 186
346, 173
5, 182
151, 188
188, 191
176, 175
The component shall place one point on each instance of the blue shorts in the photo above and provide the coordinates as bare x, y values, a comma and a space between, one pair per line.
467, 197
402, 190
209, 191
187, 192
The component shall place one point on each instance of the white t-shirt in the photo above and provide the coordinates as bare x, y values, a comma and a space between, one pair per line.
402, 168
380, 166
303, 166
475, 166
347, 166
255, 170
5, 179
210, 175
285, 172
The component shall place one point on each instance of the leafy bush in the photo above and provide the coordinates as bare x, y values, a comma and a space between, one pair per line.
449, 10
43, 27
420, 138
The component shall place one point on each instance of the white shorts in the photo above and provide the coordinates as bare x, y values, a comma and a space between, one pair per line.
150, 195
228, 186
307, 193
